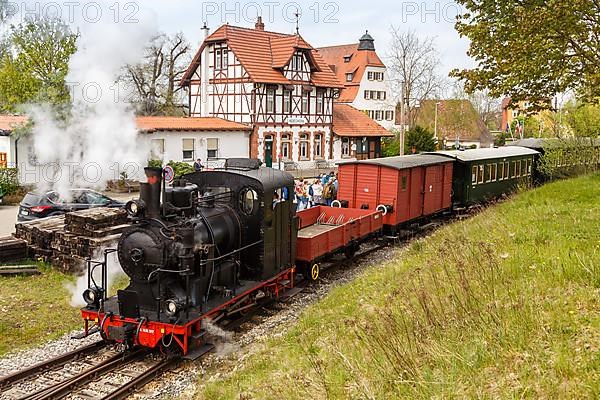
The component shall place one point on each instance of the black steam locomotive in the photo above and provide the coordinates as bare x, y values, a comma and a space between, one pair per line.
217, 244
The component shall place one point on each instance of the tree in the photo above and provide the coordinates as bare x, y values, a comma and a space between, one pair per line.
413, 63
35, 63
532, 50
155, 80
418, 140
489, 108
584, 119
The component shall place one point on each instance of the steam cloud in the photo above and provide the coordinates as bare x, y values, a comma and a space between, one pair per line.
114, 271
99, 140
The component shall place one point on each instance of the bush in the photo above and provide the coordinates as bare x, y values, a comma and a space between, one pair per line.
180, 168
9, 181
417, 140
155, 163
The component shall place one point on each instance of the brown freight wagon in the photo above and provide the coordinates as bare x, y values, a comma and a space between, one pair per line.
408, 187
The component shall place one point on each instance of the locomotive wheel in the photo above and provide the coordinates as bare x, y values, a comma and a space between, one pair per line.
313, 273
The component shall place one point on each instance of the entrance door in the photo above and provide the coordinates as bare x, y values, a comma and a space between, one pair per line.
269, 152
3, 160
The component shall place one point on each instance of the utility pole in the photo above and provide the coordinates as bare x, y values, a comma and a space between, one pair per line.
435, 136
402, 123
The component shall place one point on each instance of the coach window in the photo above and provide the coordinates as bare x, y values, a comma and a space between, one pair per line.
524, 170
528, 167
506, 170
480, 174
494, 176
474, 175
501, 172
518, 168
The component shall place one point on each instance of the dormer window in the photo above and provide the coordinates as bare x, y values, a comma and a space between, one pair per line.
297, 62
347, 58
349, 77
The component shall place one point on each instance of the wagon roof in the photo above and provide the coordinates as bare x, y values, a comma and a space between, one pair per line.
403, 162
487, 153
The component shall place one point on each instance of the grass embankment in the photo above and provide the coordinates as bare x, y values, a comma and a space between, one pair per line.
503, 305
36, 309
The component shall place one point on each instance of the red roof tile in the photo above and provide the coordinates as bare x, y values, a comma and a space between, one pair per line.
9, 122
152, 124
263, 54
359, 61
348, 121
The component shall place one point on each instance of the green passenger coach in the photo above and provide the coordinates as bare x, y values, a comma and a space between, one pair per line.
484, 174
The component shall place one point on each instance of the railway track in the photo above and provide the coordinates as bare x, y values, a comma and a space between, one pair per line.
92, 372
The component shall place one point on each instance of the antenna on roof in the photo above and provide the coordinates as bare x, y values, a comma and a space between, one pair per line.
297, 14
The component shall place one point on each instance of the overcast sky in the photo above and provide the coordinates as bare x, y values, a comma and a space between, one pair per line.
324, 23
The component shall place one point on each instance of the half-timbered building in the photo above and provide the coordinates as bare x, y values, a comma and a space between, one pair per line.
276, 83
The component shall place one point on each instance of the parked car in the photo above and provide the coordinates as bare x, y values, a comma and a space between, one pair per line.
50, 204
1, 195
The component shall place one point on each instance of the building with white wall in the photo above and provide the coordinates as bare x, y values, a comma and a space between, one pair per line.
365, 79
276, 83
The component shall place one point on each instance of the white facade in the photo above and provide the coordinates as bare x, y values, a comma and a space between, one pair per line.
383, 111
189, 146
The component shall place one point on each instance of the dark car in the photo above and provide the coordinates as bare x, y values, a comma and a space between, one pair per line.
50, 204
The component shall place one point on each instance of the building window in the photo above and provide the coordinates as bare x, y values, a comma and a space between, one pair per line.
349, 77
370, 75
212, 148
285, 147
303, 146
270, 101
320, 102
367, 95
188, 149
389, 115
297, 62
221, 61
318, 142
287, 101
158, 148
3, 160
305, 102
345, 147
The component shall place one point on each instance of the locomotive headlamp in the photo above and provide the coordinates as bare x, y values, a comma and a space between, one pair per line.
135, 208
92, 297
172, 307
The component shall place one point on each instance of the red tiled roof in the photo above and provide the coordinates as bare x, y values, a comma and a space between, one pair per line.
152, 124
348, 121
263, 54
9, 122
359, 61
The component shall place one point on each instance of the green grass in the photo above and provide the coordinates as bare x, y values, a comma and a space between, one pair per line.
503, 305
35, 309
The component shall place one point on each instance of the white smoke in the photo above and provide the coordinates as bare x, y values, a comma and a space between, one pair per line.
114, 272
221, 339
99, 140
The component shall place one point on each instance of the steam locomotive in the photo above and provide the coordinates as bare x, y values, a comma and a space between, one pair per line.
215, 246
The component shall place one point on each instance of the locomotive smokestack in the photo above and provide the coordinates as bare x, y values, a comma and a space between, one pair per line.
150, 191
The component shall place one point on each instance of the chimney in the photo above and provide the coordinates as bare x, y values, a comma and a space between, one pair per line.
259, 26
